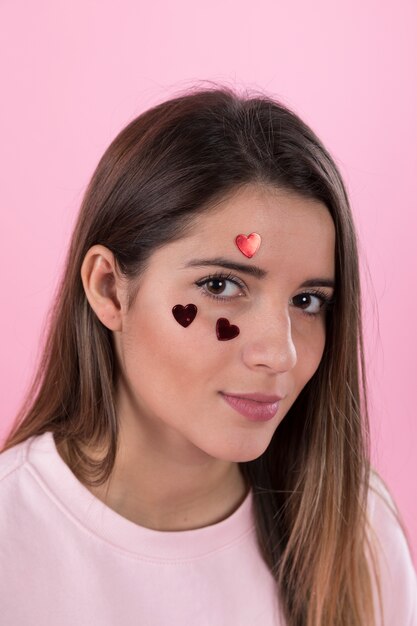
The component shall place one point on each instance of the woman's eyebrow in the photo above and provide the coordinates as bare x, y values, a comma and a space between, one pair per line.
319, 282
252, 270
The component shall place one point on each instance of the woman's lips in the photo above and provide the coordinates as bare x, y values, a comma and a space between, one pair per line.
253, 409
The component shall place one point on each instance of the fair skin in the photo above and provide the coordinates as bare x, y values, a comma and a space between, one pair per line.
180, 442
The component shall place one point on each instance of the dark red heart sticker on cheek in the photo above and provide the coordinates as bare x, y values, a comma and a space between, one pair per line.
184, 314
225, 330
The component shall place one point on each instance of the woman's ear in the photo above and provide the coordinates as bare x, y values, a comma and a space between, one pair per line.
103, 286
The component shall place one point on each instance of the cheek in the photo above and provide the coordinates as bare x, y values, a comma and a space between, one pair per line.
162, 353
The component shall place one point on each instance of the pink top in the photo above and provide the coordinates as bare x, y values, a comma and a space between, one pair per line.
66, 558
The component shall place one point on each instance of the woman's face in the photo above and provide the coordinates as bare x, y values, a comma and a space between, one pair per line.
173, 377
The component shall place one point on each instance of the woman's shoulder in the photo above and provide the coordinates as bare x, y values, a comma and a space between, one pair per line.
384, 516
381, 506
14, 491
389, 539
13, 458
13, 463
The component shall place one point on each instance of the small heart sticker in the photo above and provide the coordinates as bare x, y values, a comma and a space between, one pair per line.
248, 245
184, 314
225, 330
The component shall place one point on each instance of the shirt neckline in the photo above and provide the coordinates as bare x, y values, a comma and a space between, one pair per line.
78, 503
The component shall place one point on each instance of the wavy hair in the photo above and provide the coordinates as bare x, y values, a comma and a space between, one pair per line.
310, 486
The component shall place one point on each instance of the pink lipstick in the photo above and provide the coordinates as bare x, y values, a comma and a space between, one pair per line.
257, 407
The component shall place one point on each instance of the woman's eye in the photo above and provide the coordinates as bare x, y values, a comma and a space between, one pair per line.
310, 303
220, 287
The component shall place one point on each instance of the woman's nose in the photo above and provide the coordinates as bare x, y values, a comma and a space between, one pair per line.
271, 343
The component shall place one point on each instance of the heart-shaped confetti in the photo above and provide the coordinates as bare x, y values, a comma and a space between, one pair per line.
184, 314
248, 245
225, 330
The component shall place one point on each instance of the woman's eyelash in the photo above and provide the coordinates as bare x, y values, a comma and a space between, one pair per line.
219, 276
326, 300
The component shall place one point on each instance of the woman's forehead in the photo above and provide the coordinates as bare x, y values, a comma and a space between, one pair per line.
295, 233
263, 209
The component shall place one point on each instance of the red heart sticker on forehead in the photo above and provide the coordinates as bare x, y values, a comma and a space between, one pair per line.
248, 245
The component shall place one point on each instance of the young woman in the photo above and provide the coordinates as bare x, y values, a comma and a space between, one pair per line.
194, 448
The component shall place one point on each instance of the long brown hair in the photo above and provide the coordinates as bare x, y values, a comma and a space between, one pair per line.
310, 486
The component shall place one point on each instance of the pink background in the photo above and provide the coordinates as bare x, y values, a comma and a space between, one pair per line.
74, 73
